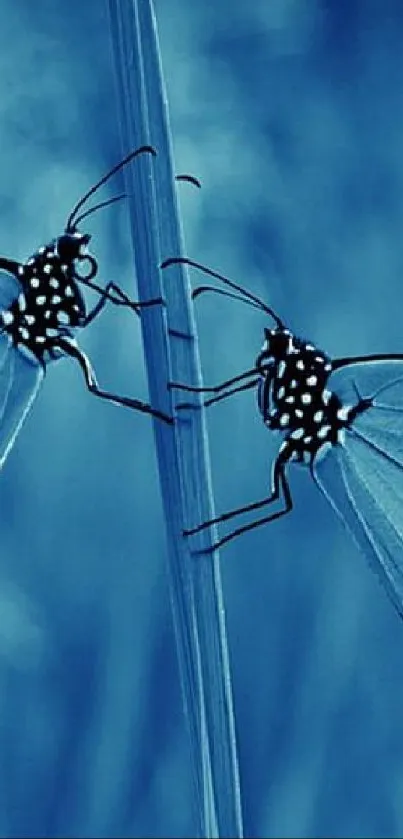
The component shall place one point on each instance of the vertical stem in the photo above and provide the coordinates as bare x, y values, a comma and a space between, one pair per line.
171, 354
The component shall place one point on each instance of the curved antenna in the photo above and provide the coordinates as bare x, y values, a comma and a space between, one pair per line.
183, 260
98, 207
202, 288
143, 149
191, 179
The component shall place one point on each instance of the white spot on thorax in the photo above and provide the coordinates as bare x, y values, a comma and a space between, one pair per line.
54, 283
22, 303
343, 412
41, 300
299, 413
30, 319
312, 381
281, 369
284, 419
293, 383
300, 364
318, 416
290, 399
281, 392
24, 333
69, 291
323, 432
297, 434
306, 398
62, 317
47, 269
56, 299
34, 282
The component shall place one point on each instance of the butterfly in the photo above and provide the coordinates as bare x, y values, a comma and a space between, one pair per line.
41, 308
340, 418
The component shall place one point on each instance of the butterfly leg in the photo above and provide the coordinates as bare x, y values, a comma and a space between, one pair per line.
217, 389
280, 489
71, 349
121, 300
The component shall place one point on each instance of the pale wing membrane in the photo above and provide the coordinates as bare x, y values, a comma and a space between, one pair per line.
9, 289
20, 379
363, 478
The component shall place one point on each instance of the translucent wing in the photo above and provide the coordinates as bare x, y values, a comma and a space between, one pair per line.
20, 378
9, 289
363, 477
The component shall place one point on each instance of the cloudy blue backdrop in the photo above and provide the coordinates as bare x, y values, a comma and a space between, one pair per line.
290, 112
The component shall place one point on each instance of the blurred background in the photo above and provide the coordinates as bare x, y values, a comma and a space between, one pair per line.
290, 112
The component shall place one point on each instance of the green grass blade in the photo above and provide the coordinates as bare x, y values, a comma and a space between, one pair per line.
171, 353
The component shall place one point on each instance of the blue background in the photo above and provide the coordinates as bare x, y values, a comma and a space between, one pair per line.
290, 112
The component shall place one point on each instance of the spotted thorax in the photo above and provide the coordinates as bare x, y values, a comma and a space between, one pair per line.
50, 303
293, 396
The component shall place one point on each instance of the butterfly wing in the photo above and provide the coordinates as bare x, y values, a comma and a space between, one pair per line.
363, 477
10, 288
20, 378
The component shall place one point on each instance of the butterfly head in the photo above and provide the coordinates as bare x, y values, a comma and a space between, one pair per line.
275, 348
72, 249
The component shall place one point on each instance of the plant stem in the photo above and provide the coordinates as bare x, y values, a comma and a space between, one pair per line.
171, 354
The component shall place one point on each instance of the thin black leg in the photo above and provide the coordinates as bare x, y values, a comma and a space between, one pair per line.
122, 299
220, 397
74, 351
279, 483
228, 393
277, 515
215, 388
98, 308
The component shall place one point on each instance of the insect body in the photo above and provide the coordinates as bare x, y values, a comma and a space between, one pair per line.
41, 306
50, 303
353, 445
293, 396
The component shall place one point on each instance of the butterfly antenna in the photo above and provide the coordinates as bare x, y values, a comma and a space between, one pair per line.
191, 179
246, 294
71, 222
202, 288
98, 207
